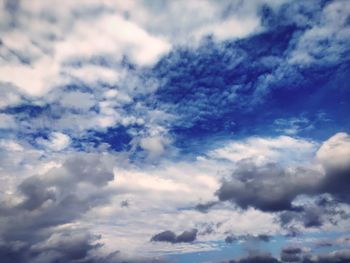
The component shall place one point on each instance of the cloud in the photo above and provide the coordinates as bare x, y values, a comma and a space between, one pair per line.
240, 19
295, 254
255, 258
271, 187
77, 100
262, 150
114, 113
7, 121
325, 41
155, 145
57, 141
334, 154
39, 217
166, 236
268, 187
9, 95
341, 256
169, 236
49, 53
291, 254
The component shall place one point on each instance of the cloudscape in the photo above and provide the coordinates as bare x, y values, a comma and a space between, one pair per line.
185, 131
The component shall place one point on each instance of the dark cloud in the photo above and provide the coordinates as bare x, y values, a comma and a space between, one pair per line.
230, 239
60, 248
205, 207
166, 236
255, 258
339, 256
337, 182
323, 209
265, 238
291, 254
268, 188
272, 188
309, 216
187, 236
30, 228
169, 236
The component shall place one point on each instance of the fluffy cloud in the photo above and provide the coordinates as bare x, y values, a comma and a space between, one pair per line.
334, 153
263, 150
270, 187
121, 116
56, 142
325, 41
48, 205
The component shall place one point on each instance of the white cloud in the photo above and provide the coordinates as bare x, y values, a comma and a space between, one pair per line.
56, 142
77, 100
107, 34
335, 152
326, 41
143, 35
155, 145
262, 150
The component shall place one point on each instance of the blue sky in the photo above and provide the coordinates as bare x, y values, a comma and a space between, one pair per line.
174, 131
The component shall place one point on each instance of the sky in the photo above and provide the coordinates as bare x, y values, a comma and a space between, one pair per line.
178, 131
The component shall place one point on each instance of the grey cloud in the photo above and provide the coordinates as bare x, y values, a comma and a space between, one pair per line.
339, 256
230, 239
295, 255
58, 248
265, 238
268, 187
309, 216
337, 182
205, 206
255, 258
187, 236
30, 228
272, 188
207, 228
324, 209
291, 254
166, 236
169, 236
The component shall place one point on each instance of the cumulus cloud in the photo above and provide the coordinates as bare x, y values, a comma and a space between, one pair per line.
192, 105
38, 224
334, 154
270, 187
57, 141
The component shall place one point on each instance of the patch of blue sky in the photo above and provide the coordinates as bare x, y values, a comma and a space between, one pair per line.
224, 251
116, 139
242, 87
